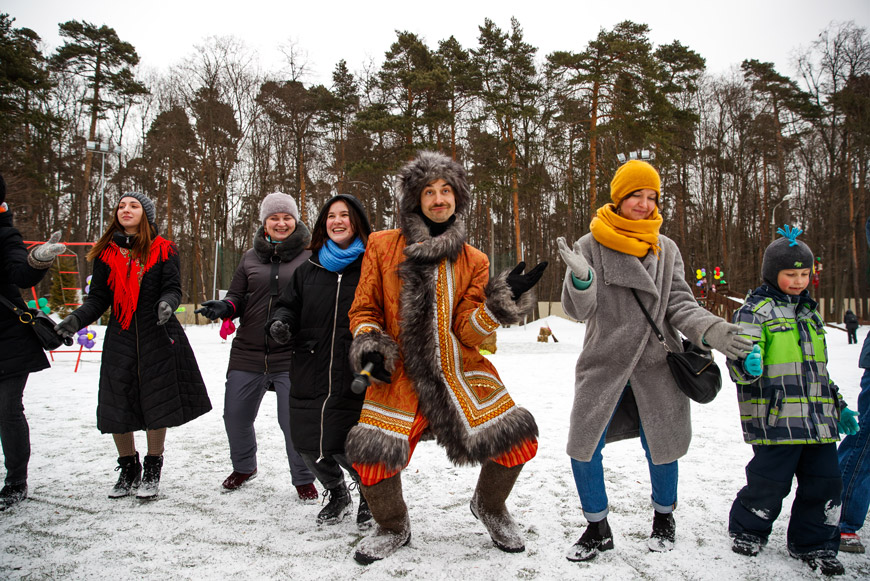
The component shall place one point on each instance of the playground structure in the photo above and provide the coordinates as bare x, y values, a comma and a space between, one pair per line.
75, 298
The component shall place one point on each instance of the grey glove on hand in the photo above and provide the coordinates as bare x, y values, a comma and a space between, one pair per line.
49, 251
723, 337
280, 332
164, 311
68, 327
573, 258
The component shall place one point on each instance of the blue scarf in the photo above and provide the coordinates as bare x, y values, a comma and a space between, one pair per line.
334, 258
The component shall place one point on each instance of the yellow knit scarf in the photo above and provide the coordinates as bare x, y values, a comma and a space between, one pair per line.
634, 237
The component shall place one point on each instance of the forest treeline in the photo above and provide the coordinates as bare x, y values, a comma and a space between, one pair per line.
739, 153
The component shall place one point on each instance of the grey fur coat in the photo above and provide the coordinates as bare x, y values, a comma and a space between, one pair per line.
620, 347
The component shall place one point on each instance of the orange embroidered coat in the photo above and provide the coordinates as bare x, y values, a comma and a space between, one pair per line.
438, 304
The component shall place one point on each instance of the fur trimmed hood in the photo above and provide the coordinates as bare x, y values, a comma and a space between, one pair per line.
424, 169
287, 249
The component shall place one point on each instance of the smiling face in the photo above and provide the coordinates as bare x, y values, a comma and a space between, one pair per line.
793, 281
638, 205
338, 224
130, 214
279, 226
438, 201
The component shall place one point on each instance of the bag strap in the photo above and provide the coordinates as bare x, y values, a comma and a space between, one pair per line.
652, 324
23, 316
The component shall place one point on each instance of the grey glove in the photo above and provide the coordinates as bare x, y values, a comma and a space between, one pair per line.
68, 327
573, 258
164, 311
49, 251
723, 337
280, 332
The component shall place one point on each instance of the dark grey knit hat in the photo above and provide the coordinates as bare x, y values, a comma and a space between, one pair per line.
147, 205
424, 169
784, 254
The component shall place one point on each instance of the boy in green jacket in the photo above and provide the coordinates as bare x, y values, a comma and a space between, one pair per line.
790, 411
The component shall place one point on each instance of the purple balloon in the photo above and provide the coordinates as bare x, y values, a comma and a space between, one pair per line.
89, 344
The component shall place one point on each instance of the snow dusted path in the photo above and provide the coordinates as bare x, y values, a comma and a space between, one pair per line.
68, 529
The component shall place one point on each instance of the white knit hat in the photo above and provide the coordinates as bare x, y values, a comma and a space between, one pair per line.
278, 203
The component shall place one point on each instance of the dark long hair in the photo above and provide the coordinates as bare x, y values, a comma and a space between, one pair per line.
141, 247
358, 221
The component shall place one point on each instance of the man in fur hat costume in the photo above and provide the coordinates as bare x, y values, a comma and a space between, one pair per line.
423, 305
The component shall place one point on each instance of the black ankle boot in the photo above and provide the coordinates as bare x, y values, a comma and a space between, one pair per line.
13, 494
597, 537
150, 477
664, 532
130, 477
338, 506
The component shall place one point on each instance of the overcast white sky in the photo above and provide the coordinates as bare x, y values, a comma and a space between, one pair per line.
724, 32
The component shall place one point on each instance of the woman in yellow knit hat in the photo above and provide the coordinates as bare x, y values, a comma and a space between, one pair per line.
624, 388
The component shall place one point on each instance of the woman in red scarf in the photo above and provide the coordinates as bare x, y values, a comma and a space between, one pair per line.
149, 378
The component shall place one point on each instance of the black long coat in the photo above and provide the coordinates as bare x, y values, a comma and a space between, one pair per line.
323, 408
149, 378
20, 350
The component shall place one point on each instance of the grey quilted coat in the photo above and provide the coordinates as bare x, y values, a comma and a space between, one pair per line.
620, 347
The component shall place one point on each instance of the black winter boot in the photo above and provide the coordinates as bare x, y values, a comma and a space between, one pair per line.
338, 506
488, 505
826, 562
596, 538
664, 533
391, 514
151, 468
12, 494
363, 513
130, 477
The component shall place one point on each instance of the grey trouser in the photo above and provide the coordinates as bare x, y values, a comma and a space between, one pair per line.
328, 470
245, 391
14, 432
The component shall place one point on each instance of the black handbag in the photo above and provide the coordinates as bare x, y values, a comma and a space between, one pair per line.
694, 370
42, 325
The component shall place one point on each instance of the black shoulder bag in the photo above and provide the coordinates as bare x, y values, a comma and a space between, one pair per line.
42, 325
694, 370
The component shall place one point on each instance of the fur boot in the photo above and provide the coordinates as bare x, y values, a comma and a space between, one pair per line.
391, 515
488, 505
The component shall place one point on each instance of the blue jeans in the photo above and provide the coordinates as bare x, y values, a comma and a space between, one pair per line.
854, 458
589, 478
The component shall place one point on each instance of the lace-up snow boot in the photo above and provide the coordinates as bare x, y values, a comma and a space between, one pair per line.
391, 515
826, 562
596, 538
363, 513
338, 506
664, 533
488, 505
129, 478
151, 468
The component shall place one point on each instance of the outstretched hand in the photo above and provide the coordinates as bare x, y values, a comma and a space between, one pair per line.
520, 283
573, 258
50, 250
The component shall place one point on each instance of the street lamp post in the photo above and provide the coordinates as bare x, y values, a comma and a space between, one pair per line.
773, 213
103, 149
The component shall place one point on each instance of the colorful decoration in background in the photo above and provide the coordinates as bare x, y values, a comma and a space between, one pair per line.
42, 305
88, 284
181, 310
817, 272
85, 337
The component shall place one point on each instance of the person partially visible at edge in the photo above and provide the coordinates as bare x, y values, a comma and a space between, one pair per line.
20, 351
149, 378
423, 305
850, 320
790, 411
624, 387
854, 459
258, 363
312, 316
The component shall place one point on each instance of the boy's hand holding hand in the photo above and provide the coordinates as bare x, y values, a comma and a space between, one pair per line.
752, 363
848, 424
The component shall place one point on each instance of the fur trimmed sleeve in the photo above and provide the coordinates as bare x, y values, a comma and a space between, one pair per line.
500, 303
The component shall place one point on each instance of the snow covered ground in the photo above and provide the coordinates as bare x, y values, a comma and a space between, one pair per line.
69, 529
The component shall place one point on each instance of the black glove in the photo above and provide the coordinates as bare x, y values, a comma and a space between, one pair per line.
68, 327
378, 370
164, 311
520, 282
215, 310
279, 331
